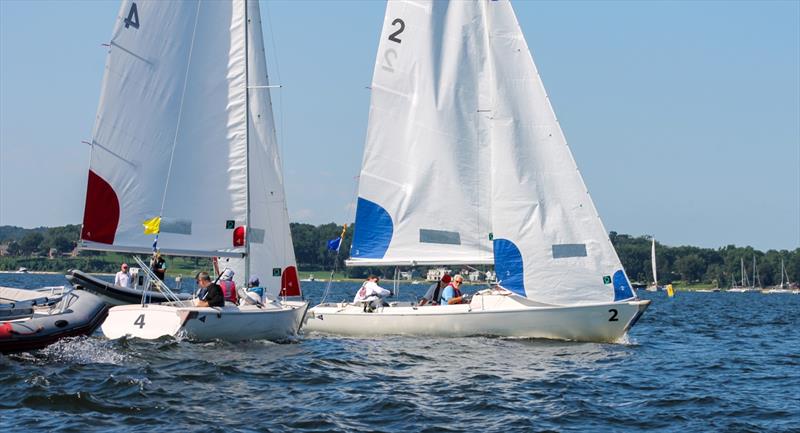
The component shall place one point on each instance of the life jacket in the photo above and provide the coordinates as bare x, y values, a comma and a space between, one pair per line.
456, 292
228, 290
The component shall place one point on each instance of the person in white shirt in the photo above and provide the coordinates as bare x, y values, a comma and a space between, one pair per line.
371, 294
123, 277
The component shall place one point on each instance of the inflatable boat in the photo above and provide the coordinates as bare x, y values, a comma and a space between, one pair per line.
31, 321
117, 295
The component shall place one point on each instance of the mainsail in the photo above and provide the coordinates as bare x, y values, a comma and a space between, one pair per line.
465, 161
185, 133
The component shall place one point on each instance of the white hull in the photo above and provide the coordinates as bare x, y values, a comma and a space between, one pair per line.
275, 321
491, 312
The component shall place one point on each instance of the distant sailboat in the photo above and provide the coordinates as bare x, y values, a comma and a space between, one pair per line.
785, 286
654, 287
745, 283
184, 158
454, 92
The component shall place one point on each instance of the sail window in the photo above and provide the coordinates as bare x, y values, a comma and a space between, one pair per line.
429, 236
176, 225
563, 251
256, 236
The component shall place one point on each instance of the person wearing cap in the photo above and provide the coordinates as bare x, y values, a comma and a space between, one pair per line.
452, 293
254, 287
227, 285
158, 266
123, 277
434, 292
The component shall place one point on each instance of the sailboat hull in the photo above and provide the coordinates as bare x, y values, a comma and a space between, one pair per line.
489, 313
275, 321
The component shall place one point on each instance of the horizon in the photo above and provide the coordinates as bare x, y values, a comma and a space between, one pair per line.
692, 135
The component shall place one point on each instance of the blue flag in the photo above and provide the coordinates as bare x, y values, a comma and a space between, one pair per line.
334, 244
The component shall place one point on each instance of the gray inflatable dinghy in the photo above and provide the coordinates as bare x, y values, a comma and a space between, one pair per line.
30, 321
113, 294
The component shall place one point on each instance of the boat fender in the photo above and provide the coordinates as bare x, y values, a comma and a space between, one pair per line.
7, 330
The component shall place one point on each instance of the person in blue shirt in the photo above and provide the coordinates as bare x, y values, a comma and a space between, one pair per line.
452, 293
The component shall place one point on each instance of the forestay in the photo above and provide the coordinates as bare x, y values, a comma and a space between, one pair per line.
463, 147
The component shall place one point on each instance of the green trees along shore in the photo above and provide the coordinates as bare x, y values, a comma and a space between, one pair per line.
53, 249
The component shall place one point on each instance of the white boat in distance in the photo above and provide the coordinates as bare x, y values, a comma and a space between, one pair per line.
455, 91
184, 156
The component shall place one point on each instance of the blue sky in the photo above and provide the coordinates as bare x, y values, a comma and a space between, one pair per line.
684, 117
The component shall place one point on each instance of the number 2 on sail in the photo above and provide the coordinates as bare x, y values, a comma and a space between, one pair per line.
394, 36
613, 317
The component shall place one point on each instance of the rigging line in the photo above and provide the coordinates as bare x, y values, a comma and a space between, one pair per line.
180, 110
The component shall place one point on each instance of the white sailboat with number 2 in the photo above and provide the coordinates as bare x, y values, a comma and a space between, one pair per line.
184, 144
455, 91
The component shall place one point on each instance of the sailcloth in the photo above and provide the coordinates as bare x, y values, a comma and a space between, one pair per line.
271, 252
185, 136
465, 161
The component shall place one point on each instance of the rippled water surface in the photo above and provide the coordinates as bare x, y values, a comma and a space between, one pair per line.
698, 362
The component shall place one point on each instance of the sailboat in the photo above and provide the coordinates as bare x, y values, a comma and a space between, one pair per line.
745, 282
184, 159
654, 287
455, 91
785, 286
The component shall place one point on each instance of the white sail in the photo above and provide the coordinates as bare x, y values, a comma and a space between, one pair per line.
465, 161
185, 131
270, 252
653, 262
423, 196
170, 133
549, 241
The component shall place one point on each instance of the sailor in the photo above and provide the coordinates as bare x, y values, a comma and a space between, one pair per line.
452, 293
434, 293
255, 293
210, 294
227, 285
158, 266
123, 277
371, 294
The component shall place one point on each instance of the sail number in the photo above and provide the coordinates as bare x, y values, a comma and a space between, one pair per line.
139, 321
394, 36
613, 317
133, 17
390, 55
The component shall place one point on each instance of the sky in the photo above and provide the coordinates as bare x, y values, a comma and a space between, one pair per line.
683, 117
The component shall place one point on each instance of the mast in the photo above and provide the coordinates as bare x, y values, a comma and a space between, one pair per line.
247, 144
741, 259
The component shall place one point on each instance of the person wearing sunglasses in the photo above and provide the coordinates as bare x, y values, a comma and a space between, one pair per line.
123, 277
452, 293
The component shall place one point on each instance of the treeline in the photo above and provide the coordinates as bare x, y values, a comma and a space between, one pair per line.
689, 264
28, 247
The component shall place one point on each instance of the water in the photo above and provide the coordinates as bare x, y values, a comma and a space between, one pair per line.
698, 362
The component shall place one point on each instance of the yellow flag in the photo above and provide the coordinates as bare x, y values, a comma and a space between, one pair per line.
152, 226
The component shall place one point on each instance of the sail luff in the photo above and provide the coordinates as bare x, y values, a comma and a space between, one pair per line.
246, 25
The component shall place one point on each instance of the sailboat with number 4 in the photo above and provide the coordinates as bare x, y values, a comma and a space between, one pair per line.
184, 144
465, 164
